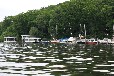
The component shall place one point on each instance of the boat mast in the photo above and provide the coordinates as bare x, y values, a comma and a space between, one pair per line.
85, 31
80, 32
113, 34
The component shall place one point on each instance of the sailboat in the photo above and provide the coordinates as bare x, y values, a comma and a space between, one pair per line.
82, 39
54, 39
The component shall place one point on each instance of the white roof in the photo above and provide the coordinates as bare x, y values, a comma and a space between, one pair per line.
32, 38
25, 35
9, 37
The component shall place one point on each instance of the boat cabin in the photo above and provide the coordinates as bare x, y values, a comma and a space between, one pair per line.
72, 39
25, 36
29, 39
9, 39
32, 40
81, 41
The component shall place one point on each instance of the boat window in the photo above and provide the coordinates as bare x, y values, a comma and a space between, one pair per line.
92, 40
35, 40
11, 39
26, 39
31, 39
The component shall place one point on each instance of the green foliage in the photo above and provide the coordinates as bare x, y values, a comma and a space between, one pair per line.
33, 31
97, 15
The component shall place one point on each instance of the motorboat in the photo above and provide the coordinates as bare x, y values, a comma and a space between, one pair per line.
92, 41
81, 41
105, 41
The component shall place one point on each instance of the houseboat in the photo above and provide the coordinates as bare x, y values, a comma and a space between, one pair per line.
25, 36
9, 39
29, 39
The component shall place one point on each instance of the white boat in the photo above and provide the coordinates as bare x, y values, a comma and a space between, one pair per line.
54, 41
68, 40
112, 40
63, 40
72, 40
9, 39
105, 41
92, 41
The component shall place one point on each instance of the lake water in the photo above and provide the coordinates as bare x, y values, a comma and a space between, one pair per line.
57, 60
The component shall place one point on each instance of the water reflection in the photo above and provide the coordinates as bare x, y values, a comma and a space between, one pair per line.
56, 59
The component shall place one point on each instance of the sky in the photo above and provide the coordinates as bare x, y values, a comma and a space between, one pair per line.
14, 7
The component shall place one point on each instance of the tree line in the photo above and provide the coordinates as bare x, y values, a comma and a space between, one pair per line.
63, 20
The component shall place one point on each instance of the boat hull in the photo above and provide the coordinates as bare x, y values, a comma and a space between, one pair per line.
80, 42
92, 43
